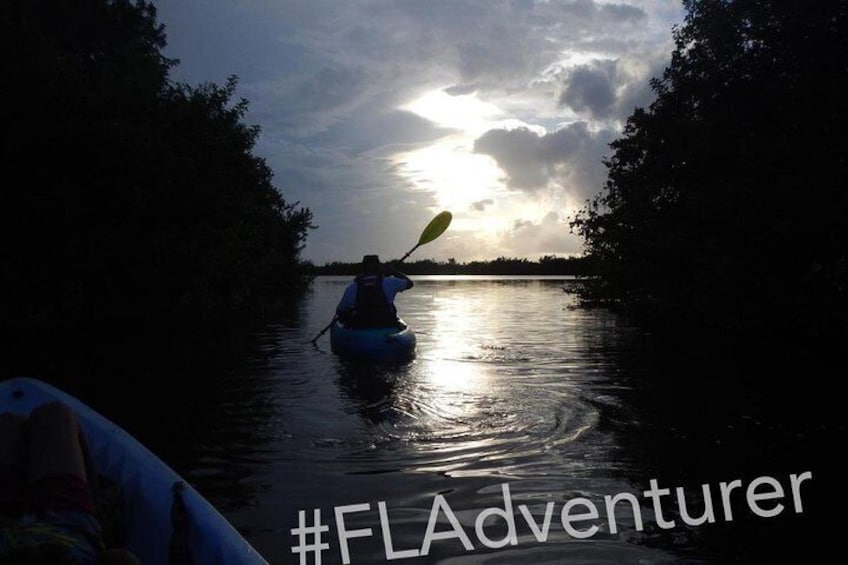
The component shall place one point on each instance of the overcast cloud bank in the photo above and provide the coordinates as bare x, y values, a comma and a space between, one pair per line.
531, 95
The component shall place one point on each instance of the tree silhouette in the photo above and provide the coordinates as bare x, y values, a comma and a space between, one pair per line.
725, 202
127, 194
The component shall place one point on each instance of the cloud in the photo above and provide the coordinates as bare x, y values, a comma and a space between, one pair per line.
379, 129
519, 154
591, 89
589, 11
504, 46
622, 13
326, 81
549, 236
570, 156
610, 89
481, 205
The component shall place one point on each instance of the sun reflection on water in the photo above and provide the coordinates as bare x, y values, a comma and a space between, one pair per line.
486, 395
450, 349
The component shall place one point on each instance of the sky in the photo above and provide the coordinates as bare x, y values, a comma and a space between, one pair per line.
378, 114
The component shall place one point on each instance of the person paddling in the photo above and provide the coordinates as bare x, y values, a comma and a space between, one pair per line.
368, 302
348, 305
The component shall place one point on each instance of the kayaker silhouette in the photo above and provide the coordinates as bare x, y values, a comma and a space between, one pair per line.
368, 302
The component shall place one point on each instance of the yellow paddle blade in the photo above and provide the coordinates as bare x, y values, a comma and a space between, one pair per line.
436, 227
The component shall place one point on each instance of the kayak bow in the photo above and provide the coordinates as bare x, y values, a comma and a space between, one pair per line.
373, 344
147, 484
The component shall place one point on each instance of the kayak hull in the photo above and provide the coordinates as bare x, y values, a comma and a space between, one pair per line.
147, 484
373, 344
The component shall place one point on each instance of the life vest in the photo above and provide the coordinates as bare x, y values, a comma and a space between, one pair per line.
372, 308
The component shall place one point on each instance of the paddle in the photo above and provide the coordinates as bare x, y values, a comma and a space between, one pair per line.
434, 229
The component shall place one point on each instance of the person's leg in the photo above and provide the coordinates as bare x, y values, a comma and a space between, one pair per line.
60, 493
54, 443
57, 461
12, 467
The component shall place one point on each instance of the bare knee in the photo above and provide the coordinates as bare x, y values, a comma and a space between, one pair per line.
11, 438
55, 446
53, 413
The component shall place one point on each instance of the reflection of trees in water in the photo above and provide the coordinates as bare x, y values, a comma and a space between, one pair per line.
201, 397
372, 387
698, 415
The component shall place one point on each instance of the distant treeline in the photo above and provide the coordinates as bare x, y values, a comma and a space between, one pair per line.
547, 265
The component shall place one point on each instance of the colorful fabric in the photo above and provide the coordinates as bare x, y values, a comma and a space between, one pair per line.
61, 492
66, 537
59, 525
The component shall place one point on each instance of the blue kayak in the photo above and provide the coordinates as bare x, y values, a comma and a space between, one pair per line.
373, 344
149, 487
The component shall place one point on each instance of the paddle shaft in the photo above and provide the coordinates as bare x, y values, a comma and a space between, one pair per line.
333, 321
408, 253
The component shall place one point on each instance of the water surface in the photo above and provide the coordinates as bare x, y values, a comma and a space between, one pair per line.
506, 387
511, 386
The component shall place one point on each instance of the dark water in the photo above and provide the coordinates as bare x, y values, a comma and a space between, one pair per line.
511, 386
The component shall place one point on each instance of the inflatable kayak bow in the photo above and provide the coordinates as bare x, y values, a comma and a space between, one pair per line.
150, 488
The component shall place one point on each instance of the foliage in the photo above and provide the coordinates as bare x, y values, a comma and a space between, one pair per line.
726, 199
547, 265
126, 194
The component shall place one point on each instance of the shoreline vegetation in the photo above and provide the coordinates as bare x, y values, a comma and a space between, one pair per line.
725, 206
134, 198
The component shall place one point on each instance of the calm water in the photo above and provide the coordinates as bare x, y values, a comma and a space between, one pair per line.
511, 386
507, 387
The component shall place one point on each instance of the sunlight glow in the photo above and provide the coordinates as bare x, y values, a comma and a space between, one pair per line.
449, 167
448, 366
486, 211
458, 176
466, 113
